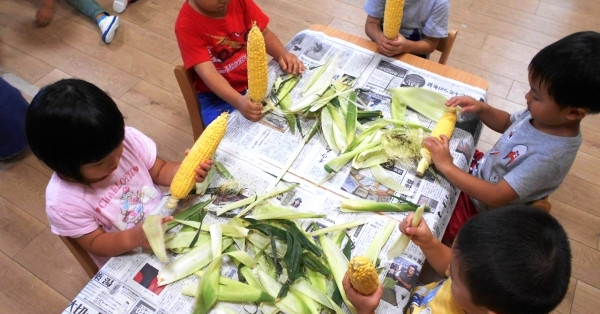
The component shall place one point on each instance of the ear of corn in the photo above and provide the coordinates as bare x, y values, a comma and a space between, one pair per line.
201, 151
392, 18
257, 65
363, 275
444, 126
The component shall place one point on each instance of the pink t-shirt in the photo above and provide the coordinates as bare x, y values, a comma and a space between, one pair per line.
116, 203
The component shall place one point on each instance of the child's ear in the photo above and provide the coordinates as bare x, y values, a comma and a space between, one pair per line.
576, 113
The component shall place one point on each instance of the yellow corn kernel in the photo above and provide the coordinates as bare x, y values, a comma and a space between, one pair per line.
258, 74
202, 150
363, 275
444, 126
392, 18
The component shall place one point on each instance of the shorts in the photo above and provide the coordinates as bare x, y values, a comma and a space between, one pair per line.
464, 208
211, 106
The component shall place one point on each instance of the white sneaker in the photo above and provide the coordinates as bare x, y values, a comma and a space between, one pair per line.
120, 5
108, 26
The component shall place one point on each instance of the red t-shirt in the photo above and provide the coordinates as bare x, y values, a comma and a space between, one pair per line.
222, 41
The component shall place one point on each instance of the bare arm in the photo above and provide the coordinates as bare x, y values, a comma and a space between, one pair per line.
287, 61
496, 119
221, 87
492, 195
111, 244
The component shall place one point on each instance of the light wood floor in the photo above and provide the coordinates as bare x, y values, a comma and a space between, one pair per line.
496, 40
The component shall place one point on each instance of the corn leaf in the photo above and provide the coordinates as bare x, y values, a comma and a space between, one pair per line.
338, 263
155, 233
386, 179
426, 102
338, 227
379, 241
208, 288
356, 205
402, 242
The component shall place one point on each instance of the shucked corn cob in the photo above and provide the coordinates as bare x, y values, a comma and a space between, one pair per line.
392, 18
363, 275
201, 151
257, 65
444, 126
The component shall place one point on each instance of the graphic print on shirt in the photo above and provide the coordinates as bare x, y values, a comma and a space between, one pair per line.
422, 296
515, 152
224, 47
132, 208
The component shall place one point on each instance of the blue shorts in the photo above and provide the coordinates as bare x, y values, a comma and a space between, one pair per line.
211, 106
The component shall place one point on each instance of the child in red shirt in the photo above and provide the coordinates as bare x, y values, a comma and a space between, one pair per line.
212, 36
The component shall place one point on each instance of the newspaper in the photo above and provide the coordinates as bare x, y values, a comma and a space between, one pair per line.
255, 153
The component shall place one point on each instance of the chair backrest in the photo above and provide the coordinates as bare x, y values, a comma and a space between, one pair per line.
185, 79
445, 45
81, 256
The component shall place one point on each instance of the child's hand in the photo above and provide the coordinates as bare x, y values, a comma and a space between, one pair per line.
467, 104
421, 234
139, 236
391, 47
291, 64
43, 16
364, 304
440, 151
202, 171
248, 109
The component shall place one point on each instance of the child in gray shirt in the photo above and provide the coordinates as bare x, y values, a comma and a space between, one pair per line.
539, 144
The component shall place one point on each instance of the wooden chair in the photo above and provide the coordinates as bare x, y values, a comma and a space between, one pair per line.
81, 255
185, 79
445, 45
543, 204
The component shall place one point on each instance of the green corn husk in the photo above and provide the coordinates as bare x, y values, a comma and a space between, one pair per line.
384, 178
208, 287
188, 263
379, 241
338, 263
402, 242
426, 102
155, 233
356, 205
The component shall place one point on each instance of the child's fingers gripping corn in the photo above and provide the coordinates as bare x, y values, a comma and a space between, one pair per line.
445, 126
201, 151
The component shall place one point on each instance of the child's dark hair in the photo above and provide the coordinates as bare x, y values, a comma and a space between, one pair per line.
71, 123
570, 70
514, 260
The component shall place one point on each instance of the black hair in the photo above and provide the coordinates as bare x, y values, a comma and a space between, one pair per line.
570, 70
514, 260
71, 123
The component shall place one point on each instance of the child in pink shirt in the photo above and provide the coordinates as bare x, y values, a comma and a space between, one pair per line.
106, 175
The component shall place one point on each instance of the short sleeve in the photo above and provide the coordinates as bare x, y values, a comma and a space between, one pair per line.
374, 8
436, 25
142, 145
70, 220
